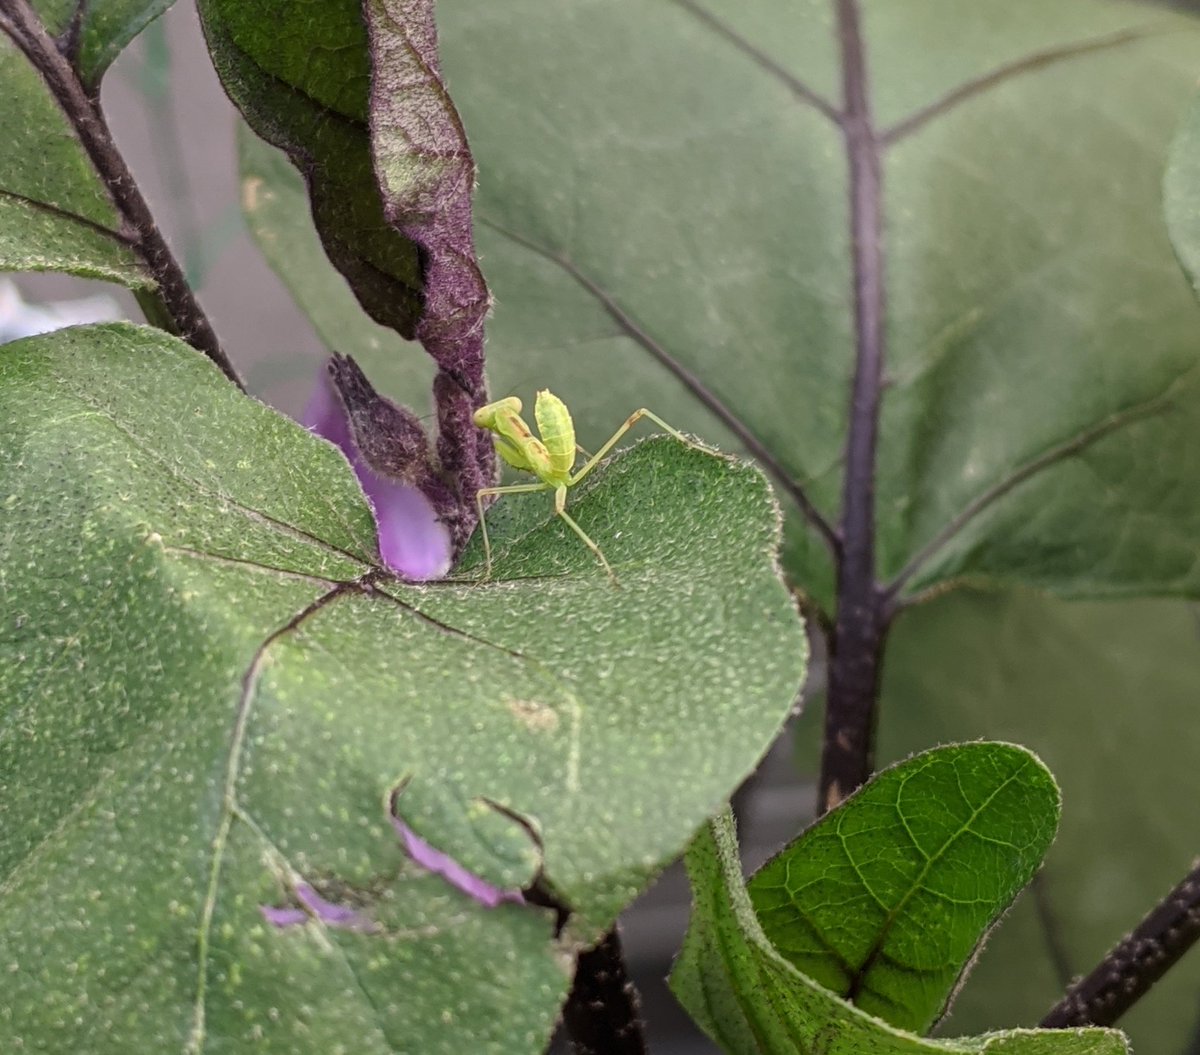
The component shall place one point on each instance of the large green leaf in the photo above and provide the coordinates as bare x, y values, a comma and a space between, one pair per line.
206, 706
885, 899
1106, 693
682, 177
753, 1001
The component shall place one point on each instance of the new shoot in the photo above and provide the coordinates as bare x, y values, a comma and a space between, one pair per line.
551, 458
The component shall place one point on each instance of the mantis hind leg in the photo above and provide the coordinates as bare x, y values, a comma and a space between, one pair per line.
629, 422
560, 502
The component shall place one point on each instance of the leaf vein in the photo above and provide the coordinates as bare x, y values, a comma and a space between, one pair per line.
764, 61
916, 884
66, 214
229, 804
1034, 61
1069, 448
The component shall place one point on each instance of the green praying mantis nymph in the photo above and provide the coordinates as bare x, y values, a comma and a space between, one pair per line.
550, 458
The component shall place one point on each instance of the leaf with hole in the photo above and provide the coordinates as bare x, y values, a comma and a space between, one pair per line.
216, 704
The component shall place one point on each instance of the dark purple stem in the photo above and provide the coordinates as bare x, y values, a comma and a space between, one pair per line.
602, 1014
172, 304
850, 713
1136, 963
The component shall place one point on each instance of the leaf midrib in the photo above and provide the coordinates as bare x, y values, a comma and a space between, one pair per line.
861, 976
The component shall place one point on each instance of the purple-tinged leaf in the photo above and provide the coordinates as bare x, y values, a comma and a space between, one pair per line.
351, 112
427, 175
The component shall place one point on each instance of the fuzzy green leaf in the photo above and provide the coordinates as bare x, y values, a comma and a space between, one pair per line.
753, 1001
206, 707
885, 899
102, 28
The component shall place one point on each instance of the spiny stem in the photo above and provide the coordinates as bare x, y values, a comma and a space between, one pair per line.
172, 304
1134, 964
602, 1014
851, 703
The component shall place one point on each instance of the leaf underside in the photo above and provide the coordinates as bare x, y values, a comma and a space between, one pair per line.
752, 1001
885, 899
302, 79
1106, 694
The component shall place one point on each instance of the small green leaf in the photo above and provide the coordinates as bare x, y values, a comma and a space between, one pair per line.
102, 28
885, 899
207, 710
753, 1001
55, 214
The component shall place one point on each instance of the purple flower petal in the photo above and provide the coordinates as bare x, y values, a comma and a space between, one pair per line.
283, 917
413, 541
330, 914
449, 869
316, 907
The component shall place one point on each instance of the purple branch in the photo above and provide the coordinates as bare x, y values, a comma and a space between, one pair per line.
1126, 974
850, 710
603, 1013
